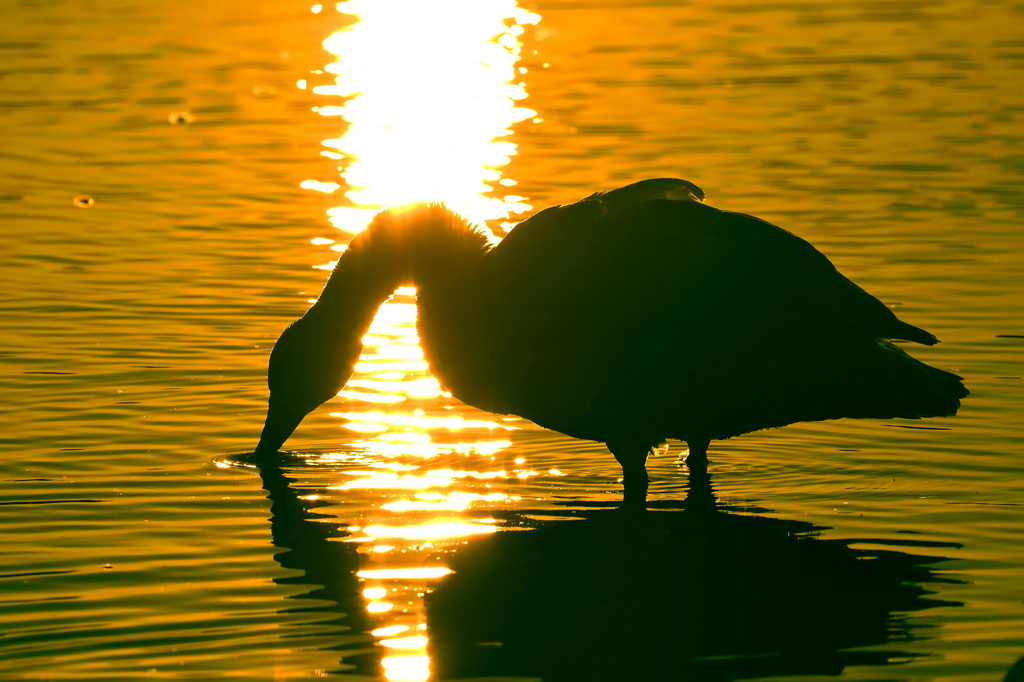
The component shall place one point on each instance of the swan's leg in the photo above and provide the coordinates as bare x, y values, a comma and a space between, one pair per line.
633, 459
697, 460
700, 496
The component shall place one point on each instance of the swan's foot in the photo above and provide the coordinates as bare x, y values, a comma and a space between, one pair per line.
634, 473
697, 459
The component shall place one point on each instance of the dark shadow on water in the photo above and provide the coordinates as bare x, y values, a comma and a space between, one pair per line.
326, 565
681, 592
691, 594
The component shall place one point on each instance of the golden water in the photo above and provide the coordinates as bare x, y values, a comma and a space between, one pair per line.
174, 182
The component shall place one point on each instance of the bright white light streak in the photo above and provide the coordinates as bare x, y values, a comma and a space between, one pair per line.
417, 642
384, 482
405, 573
406, 668
421, 422
431, 531
389, 631
436, 501
325, 187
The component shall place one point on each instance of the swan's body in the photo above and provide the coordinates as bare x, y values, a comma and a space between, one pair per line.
630, 317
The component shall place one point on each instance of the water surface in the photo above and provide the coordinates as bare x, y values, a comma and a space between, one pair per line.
406, 535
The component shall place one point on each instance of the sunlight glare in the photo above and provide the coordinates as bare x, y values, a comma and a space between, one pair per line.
431, 531
406, 573
432, 88
394, 482
425, 95
389, 631
422, 422
457, 501
406, 668
415, 642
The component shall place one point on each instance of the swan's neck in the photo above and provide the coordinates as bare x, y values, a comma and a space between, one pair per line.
424, 245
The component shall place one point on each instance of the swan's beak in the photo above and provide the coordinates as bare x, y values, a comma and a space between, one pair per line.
279, 425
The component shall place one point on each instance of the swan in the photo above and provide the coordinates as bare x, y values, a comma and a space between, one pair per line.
630, 317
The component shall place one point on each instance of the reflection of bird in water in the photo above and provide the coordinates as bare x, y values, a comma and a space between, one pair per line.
631, 317
1016, 673
677, 595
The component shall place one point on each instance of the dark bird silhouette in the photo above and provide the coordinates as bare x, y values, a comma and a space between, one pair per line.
631, 317
612, 596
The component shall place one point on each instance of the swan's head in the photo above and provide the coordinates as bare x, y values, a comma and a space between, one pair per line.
308, 367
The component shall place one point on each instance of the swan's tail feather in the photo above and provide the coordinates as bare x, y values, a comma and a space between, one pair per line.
941, 397
908, 332
894, 384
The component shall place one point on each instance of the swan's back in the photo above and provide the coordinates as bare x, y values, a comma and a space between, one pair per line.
643, 314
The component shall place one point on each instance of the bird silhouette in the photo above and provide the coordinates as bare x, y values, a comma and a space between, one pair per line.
630, 317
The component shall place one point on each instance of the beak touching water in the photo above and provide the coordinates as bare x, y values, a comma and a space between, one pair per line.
279, 425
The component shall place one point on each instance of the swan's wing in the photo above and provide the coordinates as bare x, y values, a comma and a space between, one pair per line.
661, 242
557, 227
648, 190
615, 294
777, 274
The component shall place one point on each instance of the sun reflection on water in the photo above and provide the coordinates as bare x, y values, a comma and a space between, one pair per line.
428, 92
406, 668
430, 89
430, 531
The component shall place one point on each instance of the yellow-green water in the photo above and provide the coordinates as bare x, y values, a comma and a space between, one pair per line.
138, 540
